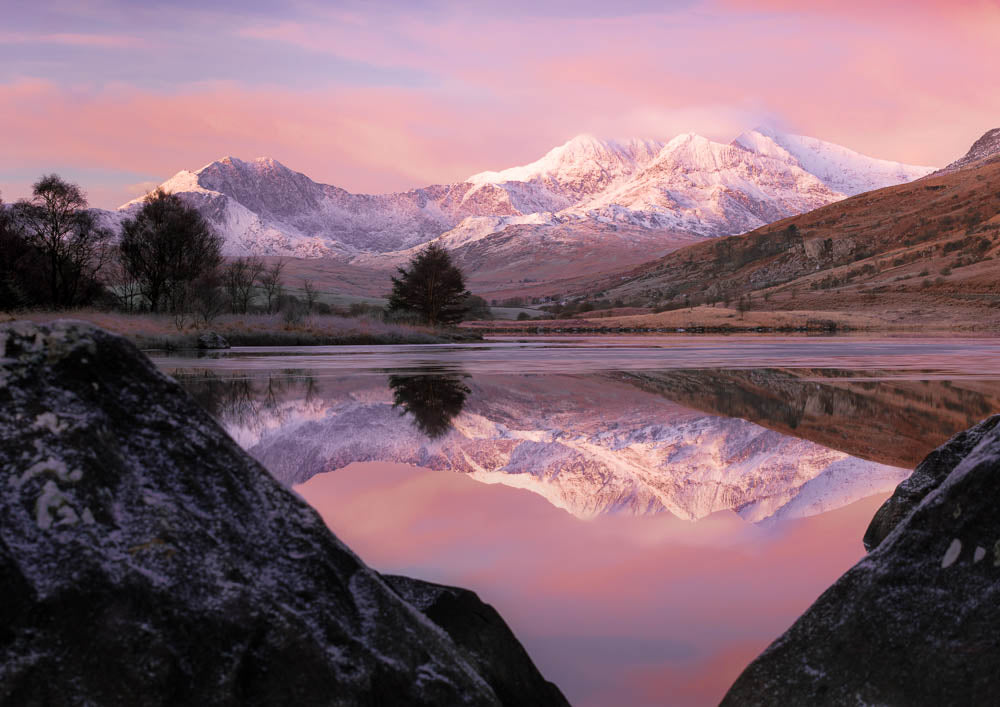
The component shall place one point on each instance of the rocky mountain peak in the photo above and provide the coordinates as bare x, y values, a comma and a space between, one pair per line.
986, 146
579, 160
263, 185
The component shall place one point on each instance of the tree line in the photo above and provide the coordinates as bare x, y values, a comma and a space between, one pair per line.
166, 258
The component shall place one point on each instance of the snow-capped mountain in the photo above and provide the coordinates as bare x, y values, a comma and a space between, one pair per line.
840, 169
634, 452
689, 185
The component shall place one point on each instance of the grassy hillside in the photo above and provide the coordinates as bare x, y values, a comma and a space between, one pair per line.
922, 252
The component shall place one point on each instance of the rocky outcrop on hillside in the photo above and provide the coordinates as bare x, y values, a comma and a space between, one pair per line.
915, 622
986, 146
146, 559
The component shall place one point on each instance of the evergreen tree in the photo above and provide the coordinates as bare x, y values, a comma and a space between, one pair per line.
432, 288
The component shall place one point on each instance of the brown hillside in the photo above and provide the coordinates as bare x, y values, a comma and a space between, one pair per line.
927, 249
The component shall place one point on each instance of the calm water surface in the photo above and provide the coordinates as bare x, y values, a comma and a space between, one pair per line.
647, 513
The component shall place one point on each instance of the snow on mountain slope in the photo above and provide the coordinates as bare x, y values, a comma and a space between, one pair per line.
635, 452
689, 184
712, 189
842, 170
567, 174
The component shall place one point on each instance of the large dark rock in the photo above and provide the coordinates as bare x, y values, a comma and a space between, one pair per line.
925, 478
488, 642
146, 559
917, 621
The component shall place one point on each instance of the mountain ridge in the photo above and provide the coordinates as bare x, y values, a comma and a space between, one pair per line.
689, 184
907, 253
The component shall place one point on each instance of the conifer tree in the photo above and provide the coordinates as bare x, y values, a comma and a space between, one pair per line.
431, 287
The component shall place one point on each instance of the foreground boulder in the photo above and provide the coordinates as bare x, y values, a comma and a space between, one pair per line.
917, 621
928, 475
488, 642
146, 559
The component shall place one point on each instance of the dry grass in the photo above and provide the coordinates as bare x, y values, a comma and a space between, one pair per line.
900, 319
722, 317
150, 331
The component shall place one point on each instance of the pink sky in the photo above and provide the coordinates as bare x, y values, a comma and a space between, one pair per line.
616, 610
382, 96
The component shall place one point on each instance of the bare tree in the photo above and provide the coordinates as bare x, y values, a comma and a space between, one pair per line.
56, 222
270, 282
743, 305
239, 279
310, 294
167, 246
21, 277
206, 296
123, 286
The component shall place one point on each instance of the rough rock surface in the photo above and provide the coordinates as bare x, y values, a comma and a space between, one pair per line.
916, 621
212, 340
986, 146
924, 479
146, 559
479, 629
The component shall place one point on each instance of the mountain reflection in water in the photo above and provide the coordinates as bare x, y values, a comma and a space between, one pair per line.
635, 604
765, 443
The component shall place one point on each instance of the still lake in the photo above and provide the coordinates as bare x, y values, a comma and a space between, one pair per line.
647, 513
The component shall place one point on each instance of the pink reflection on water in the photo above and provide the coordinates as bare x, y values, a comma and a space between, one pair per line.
616, 610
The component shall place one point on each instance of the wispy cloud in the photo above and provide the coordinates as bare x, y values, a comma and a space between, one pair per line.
384, 96
75, 39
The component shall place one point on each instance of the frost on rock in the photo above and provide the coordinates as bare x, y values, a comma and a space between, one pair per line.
914, 622
137, 540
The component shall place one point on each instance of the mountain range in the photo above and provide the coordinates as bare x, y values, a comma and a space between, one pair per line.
654, 196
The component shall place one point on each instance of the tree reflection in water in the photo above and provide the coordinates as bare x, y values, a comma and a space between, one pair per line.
241, 400
433, 400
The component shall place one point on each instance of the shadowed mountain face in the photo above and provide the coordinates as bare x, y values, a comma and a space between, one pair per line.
883, 419
589, 444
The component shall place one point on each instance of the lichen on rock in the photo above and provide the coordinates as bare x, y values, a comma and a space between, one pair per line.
145, 558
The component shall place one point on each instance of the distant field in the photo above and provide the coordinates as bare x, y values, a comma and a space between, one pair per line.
512, 312
722, 318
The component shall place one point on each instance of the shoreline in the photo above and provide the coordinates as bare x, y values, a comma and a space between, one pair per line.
719, 320
160, 332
